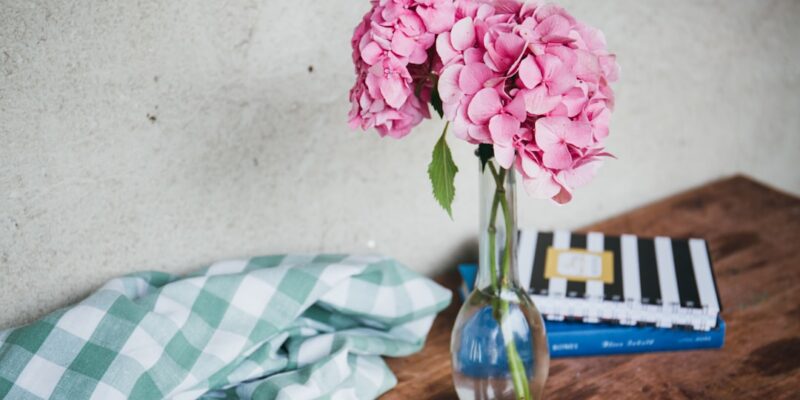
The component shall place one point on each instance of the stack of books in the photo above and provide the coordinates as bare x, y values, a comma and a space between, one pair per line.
618, 294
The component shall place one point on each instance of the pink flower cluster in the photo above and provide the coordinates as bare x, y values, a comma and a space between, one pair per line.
527, 79
390, 53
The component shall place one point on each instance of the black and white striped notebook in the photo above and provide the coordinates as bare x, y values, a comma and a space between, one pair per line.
631, 280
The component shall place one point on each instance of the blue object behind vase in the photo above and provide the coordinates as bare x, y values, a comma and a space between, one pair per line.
481, 339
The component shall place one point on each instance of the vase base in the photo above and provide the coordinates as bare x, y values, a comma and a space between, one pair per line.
492, 388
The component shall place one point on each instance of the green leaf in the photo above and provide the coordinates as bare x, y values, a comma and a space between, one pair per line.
436, 101
442, 172
485, 153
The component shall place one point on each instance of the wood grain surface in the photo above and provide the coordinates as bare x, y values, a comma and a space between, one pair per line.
754, 235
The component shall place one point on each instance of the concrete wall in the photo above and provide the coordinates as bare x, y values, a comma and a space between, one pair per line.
167, 134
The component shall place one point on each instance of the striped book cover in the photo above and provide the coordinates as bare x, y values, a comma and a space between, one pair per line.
625, 279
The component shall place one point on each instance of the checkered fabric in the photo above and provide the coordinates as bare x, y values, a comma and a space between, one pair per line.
276, 327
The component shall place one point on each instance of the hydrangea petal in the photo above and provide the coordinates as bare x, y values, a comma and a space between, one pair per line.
449, 90
587, 67
418, 56
438, 18
529, 73
539, 102
386, 116
549, 132
504, 155
528, 9
371, 53
510, 46
508, 43
450, 109
610, 67
468, 8
461, 126
485, 11
473, 55
563, 197
578, 133
549, 65
392, 11
574, 101
592, 38
541, 187
538, 182
600, 122
462, 36
411, 24
394, 91
403, 45
580, 176
531, 168
563, 81
480, 134
445, 50
566, 54
547, 10
472, 78
516, 108
373, 84
484, 106
557, 157
503, 127
554, 28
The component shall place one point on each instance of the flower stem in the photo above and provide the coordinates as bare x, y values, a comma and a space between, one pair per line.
516, 367
492, 232
509, 238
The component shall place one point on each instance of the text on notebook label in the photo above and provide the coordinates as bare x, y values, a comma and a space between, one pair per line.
584, 265
579, 265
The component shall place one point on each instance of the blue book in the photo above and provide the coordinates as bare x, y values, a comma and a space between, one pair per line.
573, 339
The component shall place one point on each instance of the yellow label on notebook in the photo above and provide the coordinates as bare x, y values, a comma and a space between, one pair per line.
579, 265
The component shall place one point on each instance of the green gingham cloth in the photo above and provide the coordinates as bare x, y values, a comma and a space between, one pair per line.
276, 327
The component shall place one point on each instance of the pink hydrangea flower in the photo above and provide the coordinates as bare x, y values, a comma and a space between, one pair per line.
533, 82
528, 79
391, 57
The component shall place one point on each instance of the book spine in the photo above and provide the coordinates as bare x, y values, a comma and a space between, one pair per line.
591, 342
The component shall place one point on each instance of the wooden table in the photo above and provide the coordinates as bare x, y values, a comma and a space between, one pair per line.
754, 235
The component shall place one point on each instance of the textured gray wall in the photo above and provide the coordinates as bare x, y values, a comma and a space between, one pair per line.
167, 134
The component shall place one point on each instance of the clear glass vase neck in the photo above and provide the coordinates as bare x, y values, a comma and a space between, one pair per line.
498, 228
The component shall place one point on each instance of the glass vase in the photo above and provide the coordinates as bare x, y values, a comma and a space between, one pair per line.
498, 345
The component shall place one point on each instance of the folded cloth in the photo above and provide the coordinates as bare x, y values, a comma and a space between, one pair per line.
276, 327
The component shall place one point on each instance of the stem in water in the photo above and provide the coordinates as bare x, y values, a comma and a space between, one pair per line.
516, 367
